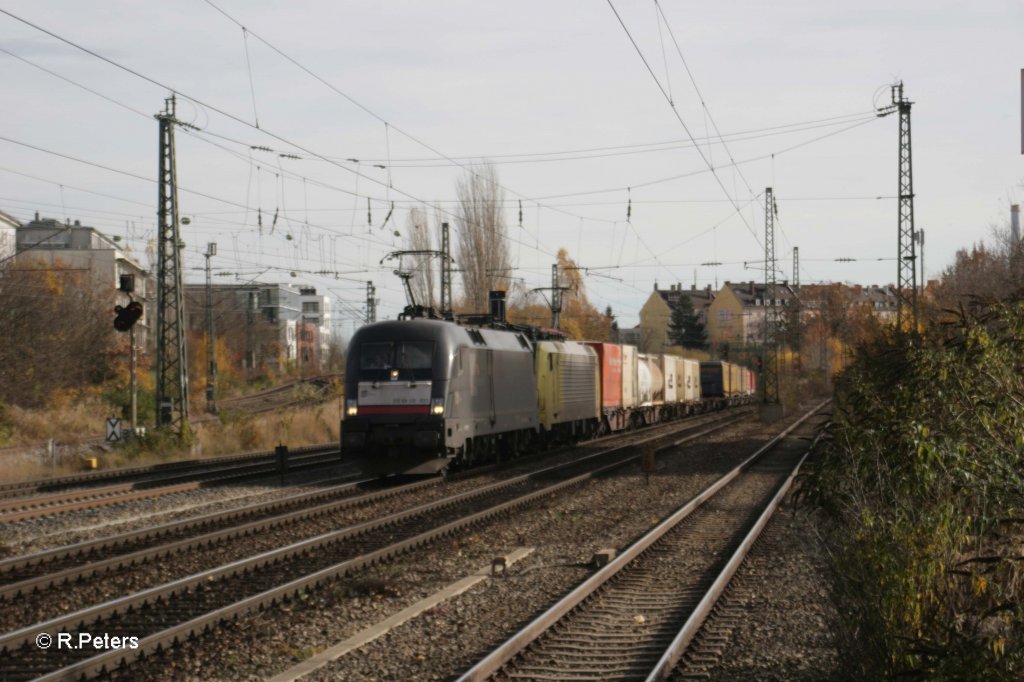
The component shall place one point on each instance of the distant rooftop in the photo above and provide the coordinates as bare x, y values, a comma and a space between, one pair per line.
48, 233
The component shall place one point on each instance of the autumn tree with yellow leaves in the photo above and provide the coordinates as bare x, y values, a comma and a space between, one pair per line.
57, 331
579, 319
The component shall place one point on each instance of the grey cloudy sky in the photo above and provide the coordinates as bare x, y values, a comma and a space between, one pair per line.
556, 95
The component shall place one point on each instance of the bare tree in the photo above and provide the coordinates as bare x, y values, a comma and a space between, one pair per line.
986, 273
483, 251
418, 238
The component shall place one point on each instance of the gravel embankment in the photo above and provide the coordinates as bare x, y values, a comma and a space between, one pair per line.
776, 616
55, 601
33, 535
564, 530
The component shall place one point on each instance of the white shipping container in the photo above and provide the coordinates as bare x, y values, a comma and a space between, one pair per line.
644, 376
656, 380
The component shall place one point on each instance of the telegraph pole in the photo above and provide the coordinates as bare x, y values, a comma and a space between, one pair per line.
798, 335
133, 371
556, 297
446, 272
907, 284
906, 258
251, 306
171, 369
796, 270
770, 361
920, 240
127, 285
371, 303
211, 351
556, 289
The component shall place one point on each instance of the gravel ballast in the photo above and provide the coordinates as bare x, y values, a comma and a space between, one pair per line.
564, 530
776, 616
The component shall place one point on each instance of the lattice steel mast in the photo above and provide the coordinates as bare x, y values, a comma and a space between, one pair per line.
796, 270
906, 261
171, 366
371, 303
556, 298
797, 335
446, 272
770, 360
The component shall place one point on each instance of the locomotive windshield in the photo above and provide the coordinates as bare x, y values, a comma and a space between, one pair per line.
413, 359
375, 355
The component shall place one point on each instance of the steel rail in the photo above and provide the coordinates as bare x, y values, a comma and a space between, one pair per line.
86, 547
30, 487
96, 568
493, 662
265, 510
24, 508
667, 663
93, 615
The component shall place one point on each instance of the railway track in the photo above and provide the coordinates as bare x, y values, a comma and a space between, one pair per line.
39, 572
33, 573
283, 396
142, 475
161, 615
151, 483
634, 618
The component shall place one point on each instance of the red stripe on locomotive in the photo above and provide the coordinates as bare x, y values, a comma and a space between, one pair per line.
394, 409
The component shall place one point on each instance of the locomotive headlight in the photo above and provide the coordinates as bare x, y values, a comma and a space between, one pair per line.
351, 408
394, 375
437, 406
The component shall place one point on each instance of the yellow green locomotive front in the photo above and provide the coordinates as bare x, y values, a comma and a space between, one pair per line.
568, 390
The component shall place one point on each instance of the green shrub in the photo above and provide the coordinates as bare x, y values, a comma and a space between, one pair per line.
6, 425
120, 398
923, 477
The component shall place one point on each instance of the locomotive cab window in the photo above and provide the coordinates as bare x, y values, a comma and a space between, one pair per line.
375, 355
415, 355
412, 359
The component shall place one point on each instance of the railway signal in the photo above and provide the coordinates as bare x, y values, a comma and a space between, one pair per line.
127, 315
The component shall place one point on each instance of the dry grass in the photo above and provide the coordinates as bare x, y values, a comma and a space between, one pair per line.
77, 421
71, 421
18, 468
293, 427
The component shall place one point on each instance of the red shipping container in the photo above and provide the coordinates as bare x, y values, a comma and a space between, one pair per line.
609, 357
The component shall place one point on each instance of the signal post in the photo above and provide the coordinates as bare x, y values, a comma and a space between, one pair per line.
124, 320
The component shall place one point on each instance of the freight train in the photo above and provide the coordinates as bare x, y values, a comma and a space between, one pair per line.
424, 394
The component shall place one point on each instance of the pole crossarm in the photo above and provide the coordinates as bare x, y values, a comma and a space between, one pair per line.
406, 276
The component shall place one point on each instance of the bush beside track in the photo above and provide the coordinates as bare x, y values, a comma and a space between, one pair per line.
923, 478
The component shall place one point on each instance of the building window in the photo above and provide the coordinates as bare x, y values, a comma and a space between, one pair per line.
310, 307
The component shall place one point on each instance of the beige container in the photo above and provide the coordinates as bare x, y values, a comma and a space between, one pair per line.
669, 369
630, 378
736, 386
688, 376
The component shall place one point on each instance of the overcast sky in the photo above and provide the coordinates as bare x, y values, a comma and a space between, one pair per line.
583, 131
